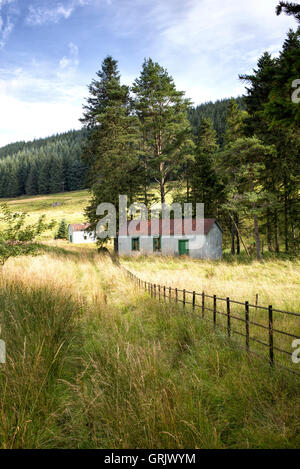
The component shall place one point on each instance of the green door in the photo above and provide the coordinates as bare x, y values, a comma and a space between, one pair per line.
183, 247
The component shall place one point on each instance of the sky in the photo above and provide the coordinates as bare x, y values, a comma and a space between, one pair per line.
50, 51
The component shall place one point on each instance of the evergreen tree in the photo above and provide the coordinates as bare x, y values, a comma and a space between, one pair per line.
248, 156
162, 113
205, 186
234, 123
112, 141
62, 232
289, 8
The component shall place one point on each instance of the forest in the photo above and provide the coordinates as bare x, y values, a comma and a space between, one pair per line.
43, 166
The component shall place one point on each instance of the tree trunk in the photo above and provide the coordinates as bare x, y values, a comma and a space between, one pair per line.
269, 231
236, 219
276, 231
286, 230
232, 238
187, 189
257, 240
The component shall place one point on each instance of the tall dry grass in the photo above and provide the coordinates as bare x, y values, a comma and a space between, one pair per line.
95, 363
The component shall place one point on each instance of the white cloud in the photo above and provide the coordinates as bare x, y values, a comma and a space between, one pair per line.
71, 61
26, 120
55, 106
5, 30
43, 15
204, 44
6, 23
39, 16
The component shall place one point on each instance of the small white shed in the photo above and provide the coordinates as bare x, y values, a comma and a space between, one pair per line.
79, 234
205, 243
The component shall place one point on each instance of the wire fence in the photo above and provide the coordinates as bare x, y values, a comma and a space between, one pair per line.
263, 330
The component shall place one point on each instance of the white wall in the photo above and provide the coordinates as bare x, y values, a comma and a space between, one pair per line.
201, 246
78, 237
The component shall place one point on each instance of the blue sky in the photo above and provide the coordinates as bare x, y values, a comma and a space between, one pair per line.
50, 51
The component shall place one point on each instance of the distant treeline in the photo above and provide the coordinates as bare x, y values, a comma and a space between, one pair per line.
43, 166
216, 112
53, 164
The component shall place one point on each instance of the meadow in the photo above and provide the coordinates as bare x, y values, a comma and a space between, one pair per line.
70, 207
94, 362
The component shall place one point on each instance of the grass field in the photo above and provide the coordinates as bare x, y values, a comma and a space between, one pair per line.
92, 362
71, 208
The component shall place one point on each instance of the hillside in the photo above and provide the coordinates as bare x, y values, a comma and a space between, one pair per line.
43, 166
216, 112
65, 205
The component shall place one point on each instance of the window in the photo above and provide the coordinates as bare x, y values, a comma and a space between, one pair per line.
157, 244
85, 237
135, 244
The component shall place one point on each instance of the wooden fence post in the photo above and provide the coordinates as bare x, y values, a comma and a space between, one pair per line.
164, 292
159, 292
203, 300
271, 341
228, 316
183, 298
194, 300
170, 294
215, 310
247, 323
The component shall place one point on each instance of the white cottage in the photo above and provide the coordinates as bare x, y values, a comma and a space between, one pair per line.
206, 243
79, 234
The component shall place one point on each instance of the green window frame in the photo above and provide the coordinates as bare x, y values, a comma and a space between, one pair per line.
135, 244
157, 244
71, 238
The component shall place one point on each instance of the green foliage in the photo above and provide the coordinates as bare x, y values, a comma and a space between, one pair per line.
111, 147
289, 8
16, 236
165, 131
216, 112
62, 232
205, 186
43, 166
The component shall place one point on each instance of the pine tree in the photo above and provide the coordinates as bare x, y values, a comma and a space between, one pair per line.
111, 148
289, 8
162, 113
248, 156
234, 123
205, 186
234, 130
62, 232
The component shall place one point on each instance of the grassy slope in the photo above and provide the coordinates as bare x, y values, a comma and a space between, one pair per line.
71, 208
94, 363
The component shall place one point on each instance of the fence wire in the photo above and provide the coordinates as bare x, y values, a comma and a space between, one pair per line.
252, 326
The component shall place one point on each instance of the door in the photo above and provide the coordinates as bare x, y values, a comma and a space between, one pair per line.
183, 247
